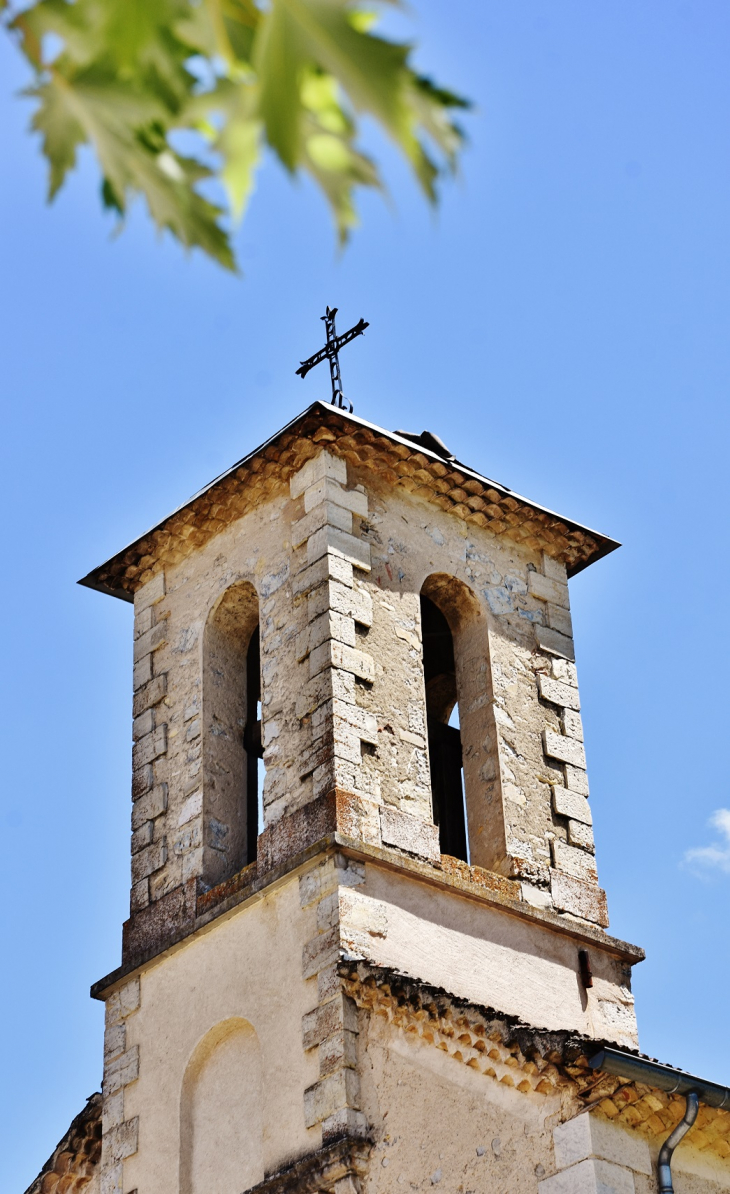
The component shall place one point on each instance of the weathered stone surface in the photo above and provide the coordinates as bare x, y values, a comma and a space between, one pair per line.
574, 861
566, 750
590, 1177
559, 693
554, 642
547, 589
409, 833
571, 804
150, 593
578, 897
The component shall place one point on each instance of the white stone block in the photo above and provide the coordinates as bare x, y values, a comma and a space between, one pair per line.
326, 514
150, 593
572, 725
558, 693
590, 1177
588, 1136
571, 804
576, 779
327, 490
546, 589
331, 540
320, 466
559, 619
580, 834
566, 750
574, 861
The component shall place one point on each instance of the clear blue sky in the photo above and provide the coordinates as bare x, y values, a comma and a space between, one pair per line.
562, 324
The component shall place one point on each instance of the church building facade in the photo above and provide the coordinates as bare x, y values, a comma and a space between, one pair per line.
367, 948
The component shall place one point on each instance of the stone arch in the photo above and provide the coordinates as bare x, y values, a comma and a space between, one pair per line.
221, 1121
231, 732
457, 672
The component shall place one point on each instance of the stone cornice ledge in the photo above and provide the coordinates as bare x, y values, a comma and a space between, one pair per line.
319, 1171
481, 886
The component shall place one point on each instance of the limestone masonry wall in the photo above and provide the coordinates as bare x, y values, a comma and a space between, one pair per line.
338, 568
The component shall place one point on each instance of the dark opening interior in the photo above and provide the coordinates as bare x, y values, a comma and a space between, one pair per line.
444, 740
253, 743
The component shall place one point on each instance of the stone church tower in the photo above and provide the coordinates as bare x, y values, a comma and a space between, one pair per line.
367, 948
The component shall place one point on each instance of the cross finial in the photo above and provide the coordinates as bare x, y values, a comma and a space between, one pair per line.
330, 352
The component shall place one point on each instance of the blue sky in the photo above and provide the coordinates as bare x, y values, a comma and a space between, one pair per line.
561, 324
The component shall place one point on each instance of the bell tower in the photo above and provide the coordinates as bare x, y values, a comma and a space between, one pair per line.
367, 946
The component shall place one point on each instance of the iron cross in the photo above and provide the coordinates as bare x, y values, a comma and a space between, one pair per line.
330, 353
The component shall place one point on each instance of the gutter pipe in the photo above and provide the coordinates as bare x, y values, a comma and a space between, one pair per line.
664, 1077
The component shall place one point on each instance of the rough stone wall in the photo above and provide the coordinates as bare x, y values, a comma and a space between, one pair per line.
338, 567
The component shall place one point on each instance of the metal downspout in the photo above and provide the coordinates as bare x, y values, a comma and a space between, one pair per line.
664, 1164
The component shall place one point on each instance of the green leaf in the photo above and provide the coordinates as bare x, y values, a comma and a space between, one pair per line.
296, 74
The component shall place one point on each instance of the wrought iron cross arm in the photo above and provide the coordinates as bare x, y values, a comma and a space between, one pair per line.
346, 337
305, 366
330, 349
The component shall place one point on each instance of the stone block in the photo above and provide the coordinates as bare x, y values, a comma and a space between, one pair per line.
409, 833
339, 655
331, 541
335, 1016
148, 861
559, 619
110, 1179
142, 837
327, 490
566, 750
123, 1002
113, 1111
151, 641
576, 779
149, 748
565, 670
142, 781
139, 896
328, 567
590, 1177
342, 599
149, 593
143, 621
345, 1123
536, 897
115, 1040
337, 1051
557, 692
588, 1136
572, 725
580, 834
320, 952
326, 514
150, 695
571, 804
142, 672
547, 589
149, 806
121, 1071
586, 900
323, 465
143, 725
120, 1142
329, 1095
329, 625
574, 861
553, 641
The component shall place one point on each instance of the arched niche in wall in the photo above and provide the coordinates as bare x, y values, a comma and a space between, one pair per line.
231, 733
460, 719
221, 1125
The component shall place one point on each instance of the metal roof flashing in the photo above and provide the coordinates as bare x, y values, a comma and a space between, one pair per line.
602, 544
